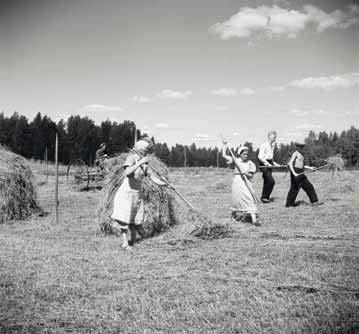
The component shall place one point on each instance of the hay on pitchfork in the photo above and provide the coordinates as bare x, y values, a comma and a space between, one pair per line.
158, 201
336, 161
17, 190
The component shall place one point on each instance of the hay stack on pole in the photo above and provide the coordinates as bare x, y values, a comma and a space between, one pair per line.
162, 208
17, 190
158, 201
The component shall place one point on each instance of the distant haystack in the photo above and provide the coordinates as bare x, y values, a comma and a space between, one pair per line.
158, 201
17, 190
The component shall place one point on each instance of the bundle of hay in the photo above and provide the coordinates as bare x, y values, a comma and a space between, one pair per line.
158, 201
337, 162
17, 190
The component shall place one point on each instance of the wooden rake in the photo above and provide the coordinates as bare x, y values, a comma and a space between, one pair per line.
244, 178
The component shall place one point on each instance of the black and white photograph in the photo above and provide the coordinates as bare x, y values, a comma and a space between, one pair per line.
176, 166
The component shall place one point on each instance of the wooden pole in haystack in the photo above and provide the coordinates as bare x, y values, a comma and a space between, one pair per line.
57, 178
47, 166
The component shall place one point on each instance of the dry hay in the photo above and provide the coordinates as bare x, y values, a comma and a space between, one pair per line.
17, 190
162, 208
199, 225
158, 201
337, 162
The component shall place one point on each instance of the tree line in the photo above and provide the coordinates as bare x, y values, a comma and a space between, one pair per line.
79, 138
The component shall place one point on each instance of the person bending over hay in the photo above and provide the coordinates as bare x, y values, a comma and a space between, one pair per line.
243, 200
17, 190
128, 203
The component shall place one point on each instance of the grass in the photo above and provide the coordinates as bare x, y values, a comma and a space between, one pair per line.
297, 273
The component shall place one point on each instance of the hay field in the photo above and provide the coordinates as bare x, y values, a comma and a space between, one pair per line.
297, 273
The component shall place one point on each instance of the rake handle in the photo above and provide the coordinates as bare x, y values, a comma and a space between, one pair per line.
168, 184
280, 166
314, 170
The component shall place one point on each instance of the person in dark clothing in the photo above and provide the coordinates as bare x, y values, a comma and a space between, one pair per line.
265, 157
101, 156
298, 180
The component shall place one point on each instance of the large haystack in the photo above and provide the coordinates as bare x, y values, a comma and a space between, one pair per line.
159, 202
17, 190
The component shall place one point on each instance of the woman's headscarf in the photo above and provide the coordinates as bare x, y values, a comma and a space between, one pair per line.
241, 149
141, 145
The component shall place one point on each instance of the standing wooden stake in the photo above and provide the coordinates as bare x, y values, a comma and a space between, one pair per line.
57, 179
185, 156
47, 166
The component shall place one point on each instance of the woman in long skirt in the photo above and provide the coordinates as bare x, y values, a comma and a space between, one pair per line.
243, 199
128, 210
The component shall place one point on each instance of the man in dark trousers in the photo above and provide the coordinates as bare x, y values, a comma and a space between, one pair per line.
299, 180
265, 157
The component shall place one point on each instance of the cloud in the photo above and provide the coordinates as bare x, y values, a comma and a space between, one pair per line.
101, 108
161, 126
236, 134
328, 83
300, 113
140, 99
275, 21
176, 95
225, 92
246, 91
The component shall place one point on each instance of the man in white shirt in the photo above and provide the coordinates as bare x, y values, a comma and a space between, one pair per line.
265, 157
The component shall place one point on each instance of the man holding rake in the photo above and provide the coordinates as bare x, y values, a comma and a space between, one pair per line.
265, 157
299, 180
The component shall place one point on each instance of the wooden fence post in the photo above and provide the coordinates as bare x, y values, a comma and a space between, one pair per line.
57, 178
47, 166
185, 156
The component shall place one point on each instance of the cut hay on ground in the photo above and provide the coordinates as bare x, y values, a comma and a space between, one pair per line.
17, 190
158, 201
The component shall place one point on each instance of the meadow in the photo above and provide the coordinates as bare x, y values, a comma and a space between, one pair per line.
297, 273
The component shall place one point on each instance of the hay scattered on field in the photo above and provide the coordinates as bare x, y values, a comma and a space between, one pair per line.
158, 201
209, 230
196, 224
17, 190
